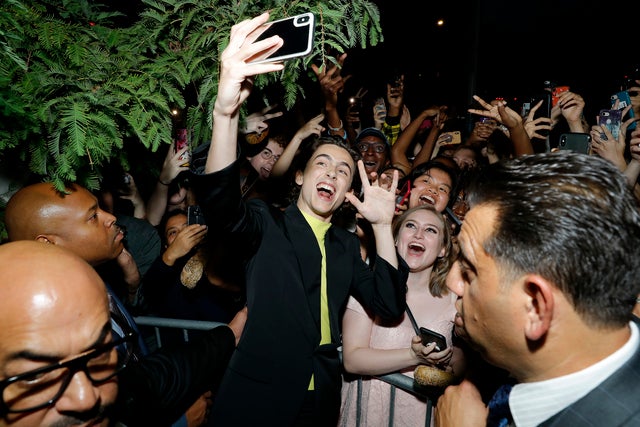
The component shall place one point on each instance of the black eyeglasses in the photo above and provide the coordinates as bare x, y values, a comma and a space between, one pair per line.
378, 148
268, 155
42, 387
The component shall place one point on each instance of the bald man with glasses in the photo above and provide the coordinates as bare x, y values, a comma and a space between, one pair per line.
59, 361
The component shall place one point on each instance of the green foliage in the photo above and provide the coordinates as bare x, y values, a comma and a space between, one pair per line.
77, 87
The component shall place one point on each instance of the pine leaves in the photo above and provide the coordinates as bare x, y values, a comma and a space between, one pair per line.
76, 87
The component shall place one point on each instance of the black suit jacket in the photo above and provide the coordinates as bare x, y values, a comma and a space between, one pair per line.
269, 373
614, 403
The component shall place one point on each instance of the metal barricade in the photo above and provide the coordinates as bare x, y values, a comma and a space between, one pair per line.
153, 328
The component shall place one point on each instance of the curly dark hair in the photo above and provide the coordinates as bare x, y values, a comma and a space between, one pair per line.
307, 152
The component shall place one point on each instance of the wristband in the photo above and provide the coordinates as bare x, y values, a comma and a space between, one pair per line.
335, 129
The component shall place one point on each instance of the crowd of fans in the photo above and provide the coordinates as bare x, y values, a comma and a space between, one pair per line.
228, 255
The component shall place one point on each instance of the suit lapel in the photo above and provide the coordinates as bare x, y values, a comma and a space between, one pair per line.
614, 400
308, 257
337, 258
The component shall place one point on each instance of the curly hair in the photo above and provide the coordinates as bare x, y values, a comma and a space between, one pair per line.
306, 154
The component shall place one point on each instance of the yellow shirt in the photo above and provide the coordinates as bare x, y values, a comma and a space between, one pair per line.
320, 229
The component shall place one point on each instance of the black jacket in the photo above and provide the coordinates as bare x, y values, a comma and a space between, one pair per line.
279, 351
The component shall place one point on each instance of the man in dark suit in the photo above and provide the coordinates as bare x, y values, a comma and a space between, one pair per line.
300, 269
547, 280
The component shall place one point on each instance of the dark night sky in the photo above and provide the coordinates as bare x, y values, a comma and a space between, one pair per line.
504, 48
496, 48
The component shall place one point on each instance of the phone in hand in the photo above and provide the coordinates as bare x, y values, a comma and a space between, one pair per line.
181, 141
556, 92
297, 33
428, 336
404, 194
624, 100
355, 105
543, 111
450, 138
612, 120
578, 142
194, 215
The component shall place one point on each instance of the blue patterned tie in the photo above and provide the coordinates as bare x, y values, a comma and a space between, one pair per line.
499, 413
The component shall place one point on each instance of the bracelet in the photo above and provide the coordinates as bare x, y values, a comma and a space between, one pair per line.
164, 183
335, 129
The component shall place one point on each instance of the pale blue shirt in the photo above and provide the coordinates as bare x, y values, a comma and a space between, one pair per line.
533, 403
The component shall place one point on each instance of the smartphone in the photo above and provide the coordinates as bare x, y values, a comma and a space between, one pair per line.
181, 141
296, 31
556, 92
543, 111
404, 194
578, 142
194, 215
611, 119
531, 101
450, 138
449, 212
355, 104
525, 108
624, 100
428, 336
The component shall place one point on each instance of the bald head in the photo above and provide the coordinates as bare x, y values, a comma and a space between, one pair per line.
71, 219
32, 210
29, 268
53, 306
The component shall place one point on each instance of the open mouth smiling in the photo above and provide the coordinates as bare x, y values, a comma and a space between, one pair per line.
326, 191
415, 248
424, 199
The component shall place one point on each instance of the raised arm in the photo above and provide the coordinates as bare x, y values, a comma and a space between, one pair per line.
132, 193
429, 145
331, 84
395, 107
511, 119
378, 207
234, 87
157, 203
572, 109
399, 149
257, 121
312, 127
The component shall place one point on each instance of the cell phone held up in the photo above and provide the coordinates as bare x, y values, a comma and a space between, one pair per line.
610, 119
181, 141
624, 100
404, 194
297, 32
194, 215
428, 336
578, 142
556, 92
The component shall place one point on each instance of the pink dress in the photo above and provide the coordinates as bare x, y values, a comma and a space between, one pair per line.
436, 314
